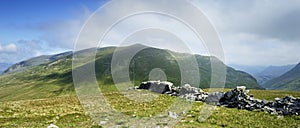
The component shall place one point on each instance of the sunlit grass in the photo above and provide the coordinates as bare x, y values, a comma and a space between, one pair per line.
66, 111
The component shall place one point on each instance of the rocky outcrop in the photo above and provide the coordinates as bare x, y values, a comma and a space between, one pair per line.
236, 98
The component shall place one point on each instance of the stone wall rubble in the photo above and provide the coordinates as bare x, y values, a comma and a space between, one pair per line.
235, 98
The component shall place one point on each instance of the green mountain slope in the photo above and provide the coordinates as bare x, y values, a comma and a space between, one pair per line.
287, 81
150, 58
54, 78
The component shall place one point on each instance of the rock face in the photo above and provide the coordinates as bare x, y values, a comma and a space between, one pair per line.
236, 98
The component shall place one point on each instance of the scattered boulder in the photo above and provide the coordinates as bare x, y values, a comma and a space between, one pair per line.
236, 98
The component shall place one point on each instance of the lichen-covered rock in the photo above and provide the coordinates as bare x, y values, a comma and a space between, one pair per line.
189, 97
188, 89
214, 98
191, 93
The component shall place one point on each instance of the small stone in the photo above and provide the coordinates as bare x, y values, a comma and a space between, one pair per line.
241, 88
102, 122
173, 115
52, 126
182, 113
279, 117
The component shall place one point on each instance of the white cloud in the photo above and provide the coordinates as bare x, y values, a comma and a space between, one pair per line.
126, 27
8, 48
25, 49
251, 50
257, 32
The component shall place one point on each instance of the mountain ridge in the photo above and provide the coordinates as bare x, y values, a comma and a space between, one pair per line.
272, 72
288, 81
35, 61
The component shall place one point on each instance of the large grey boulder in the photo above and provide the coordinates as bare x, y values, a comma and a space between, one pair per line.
156, 86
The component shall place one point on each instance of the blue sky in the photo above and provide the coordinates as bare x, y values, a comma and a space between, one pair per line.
254, 33
23, 18
25, 25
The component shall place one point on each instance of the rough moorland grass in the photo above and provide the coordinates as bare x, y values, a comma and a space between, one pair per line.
66, 111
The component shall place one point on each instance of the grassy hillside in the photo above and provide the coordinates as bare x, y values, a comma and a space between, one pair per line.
44, 94
47, 80
287, 81
66, 111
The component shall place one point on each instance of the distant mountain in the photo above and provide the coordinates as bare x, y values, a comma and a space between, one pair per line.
4, 66
249, 69
272, 72
35, 61
288, 81
47, 76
